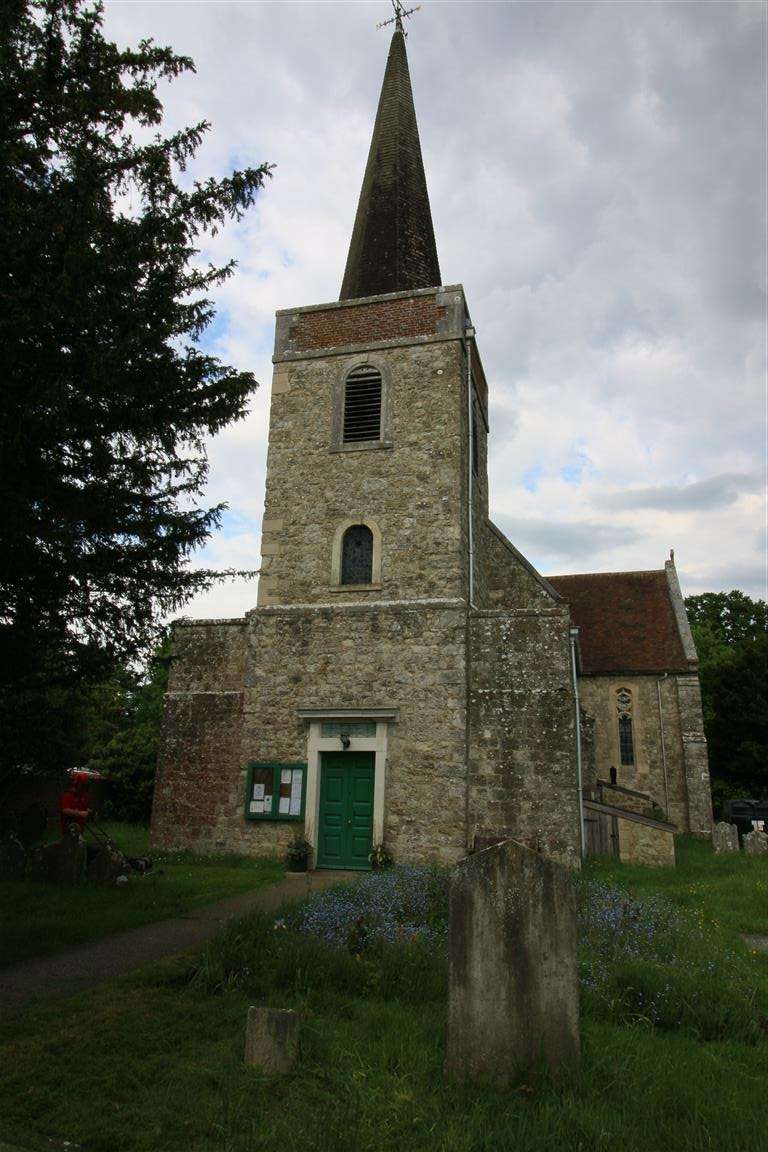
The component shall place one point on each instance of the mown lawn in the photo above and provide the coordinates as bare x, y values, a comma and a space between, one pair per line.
154, 1061
38, 919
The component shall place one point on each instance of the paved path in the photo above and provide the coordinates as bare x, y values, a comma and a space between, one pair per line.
86, 965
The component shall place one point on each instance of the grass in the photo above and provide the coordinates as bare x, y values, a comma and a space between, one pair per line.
37, 919
155, 1060
728, 892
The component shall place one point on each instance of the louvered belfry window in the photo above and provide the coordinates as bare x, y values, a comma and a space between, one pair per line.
362, 405
357, 555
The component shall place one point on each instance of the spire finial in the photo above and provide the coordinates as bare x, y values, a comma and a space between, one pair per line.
400, 13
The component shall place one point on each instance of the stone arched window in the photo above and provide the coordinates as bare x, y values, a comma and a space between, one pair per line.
362, 418
626, 733
356, 559
357, 555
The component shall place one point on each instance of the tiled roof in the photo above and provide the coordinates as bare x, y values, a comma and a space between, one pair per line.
626, 621
393, 241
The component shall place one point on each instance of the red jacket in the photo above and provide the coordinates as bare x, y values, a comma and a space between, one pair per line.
75, 801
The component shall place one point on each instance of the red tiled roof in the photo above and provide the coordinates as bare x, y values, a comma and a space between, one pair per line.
625, 619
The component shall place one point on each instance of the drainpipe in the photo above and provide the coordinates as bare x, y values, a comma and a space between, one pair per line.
469, 333
663, 745
574, 633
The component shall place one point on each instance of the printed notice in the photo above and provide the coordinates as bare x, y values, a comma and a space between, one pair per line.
285, 803
285, 776
296, 792
258, 791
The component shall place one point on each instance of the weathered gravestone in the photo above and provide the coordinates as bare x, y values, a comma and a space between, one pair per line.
60, 863
106, 865
756, 843
272, 1039
513, 991
725, 837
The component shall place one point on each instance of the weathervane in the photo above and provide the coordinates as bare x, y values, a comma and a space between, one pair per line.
400, 13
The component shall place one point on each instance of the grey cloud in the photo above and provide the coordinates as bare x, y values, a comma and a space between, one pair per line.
559, 541
716, 492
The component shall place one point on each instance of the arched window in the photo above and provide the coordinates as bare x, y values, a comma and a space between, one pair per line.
626, 743
626, 736
357, 555
362, 405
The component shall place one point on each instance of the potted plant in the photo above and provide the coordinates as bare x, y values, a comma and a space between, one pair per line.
298, 854
380, 858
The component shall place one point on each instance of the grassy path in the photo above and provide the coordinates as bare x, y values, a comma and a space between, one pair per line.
77, 969
38, 919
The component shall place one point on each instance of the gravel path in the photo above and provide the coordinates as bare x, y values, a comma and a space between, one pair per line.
76, 969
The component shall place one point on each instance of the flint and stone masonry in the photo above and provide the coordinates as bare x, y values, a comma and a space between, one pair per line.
451, 664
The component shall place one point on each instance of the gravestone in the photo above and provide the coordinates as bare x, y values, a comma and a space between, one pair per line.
272, 1039
756, 843
725, 837
513, 990
60, 863
106, 865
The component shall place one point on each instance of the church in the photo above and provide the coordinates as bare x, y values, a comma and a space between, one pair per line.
407, 678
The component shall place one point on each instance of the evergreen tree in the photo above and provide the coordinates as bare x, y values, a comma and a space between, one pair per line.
731, 635
106, 396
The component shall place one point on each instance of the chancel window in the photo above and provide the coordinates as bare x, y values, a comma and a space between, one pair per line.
626, 736
357, 555
362, 405
626, 743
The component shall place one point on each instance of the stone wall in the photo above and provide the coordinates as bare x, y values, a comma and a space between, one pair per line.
509, 580
643, 844
686, 795
413, 487
598, 697
201, 732
408, 657
523, 777
695, 760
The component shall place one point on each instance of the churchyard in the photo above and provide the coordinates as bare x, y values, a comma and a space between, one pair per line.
673, 1030
37, 919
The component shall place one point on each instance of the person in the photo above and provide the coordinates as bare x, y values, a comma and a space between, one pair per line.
74, 806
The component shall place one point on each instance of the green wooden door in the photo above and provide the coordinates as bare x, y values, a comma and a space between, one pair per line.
345, 831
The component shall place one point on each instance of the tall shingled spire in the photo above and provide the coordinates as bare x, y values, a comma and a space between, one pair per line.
393, 242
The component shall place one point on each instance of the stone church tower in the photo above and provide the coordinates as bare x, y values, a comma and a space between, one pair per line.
407, 678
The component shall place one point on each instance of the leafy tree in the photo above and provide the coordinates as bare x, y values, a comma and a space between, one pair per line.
731, 635
107, 397
125, 714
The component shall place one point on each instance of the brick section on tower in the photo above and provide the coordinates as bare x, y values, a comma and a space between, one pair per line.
396, 319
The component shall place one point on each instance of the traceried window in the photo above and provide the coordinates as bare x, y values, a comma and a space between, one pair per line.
357, 555
626, 736
362, 405
626, 743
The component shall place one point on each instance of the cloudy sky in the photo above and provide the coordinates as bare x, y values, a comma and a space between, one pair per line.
597, 179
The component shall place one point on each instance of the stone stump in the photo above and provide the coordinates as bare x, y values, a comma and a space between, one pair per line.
272, 1039
725, 837
513, 990
756, 843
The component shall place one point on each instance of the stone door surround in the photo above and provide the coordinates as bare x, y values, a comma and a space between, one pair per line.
317, 743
